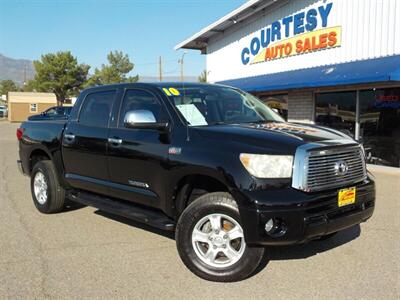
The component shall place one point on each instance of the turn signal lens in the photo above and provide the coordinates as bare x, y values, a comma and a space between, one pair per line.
20, 132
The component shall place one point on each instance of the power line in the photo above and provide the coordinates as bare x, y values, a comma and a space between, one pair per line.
173, 71
155, 63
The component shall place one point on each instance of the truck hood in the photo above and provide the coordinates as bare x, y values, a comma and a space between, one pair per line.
276, 136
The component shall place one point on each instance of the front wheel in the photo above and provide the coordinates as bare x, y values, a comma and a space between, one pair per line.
211, 242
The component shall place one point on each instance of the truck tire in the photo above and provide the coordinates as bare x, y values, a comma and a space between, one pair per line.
47, 194
210, 240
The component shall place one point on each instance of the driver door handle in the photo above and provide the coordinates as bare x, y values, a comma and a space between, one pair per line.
69, 136
115, 141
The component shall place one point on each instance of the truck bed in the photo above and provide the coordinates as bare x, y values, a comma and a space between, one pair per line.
43, 136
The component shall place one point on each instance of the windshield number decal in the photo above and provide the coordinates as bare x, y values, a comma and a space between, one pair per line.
171, 92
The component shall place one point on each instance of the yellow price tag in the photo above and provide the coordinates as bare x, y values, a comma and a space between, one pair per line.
347, 196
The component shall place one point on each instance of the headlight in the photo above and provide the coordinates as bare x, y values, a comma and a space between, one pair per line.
268, 166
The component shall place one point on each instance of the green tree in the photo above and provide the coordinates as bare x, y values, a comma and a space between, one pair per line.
116, 71
7, 86
60, 74
203, 76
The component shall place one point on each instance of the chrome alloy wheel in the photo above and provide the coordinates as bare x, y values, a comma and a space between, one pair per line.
218, 240
40, 188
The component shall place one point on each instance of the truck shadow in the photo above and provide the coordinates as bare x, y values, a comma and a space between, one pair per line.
143, 226
71, 206
316, 246
274, 252
309, 249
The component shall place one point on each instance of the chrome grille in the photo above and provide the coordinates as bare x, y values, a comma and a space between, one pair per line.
334, 167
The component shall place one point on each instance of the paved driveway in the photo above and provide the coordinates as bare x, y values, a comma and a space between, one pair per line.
83, 253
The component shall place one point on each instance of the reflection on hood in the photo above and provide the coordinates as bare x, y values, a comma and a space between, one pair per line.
287, 128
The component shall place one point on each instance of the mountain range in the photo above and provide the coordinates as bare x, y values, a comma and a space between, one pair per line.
19, 70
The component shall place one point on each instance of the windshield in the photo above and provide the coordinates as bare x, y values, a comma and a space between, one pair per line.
51, 111
212, 105
58, 111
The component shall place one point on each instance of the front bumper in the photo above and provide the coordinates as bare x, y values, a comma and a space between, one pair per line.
305, 216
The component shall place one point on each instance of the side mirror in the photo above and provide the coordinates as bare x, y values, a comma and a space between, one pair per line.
143, 119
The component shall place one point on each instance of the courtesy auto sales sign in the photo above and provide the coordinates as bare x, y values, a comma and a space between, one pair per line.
300, 33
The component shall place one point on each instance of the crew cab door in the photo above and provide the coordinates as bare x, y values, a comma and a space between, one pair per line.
85, 143
137, 158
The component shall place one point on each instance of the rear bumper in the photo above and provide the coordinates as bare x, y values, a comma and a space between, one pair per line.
304, 216
20, 167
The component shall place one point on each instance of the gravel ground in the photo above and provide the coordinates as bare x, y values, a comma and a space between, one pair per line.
84, 253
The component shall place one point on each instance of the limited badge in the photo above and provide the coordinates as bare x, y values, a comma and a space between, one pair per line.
174, 150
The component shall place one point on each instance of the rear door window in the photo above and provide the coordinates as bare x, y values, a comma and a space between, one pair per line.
96, 109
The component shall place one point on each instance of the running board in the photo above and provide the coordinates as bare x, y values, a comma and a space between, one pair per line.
150, 217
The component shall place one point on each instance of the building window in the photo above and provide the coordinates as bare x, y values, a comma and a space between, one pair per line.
336, 110
380, 125
279, 103
33, 107
379, 120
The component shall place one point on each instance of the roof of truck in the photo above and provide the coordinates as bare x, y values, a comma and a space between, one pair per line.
152, 84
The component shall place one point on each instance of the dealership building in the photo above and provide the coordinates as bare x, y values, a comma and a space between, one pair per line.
329, 62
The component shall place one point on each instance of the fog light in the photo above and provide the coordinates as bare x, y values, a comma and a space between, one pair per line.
269, 225
275, 227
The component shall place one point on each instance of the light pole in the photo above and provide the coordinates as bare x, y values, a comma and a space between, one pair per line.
181, 61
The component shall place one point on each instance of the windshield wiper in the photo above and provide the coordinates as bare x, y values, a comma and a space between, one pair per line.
259, 122
222, 123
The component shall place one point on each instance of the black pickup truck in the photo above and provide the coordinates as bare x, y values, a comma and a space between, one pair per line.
210, 162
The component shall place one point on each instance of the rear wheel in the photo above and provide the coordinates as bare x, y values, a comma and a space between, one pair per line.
211, 242
47, 193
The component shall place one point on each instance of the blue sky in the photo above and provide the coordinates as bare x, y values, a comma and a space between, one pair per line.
145, 29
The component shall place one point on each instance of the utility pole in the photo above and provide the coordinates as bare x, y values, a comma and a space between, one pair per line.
181, 62
24, 74
160, 69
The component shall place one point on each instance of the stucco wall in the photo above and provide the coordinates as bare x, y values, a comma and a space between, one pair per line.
19, 112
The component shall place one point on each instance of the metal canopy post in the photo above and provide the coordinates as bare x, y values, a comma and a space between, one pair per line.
357, 133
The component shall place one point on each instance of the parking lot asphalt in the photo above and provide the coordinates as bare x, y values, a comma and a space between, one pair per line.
84, 253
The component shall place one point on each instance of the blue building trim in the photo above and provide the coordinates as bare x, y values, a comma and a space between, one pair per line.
386, 69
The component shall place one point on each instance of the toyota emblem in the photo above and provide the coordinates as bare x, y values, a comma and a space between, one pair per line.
341, 167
